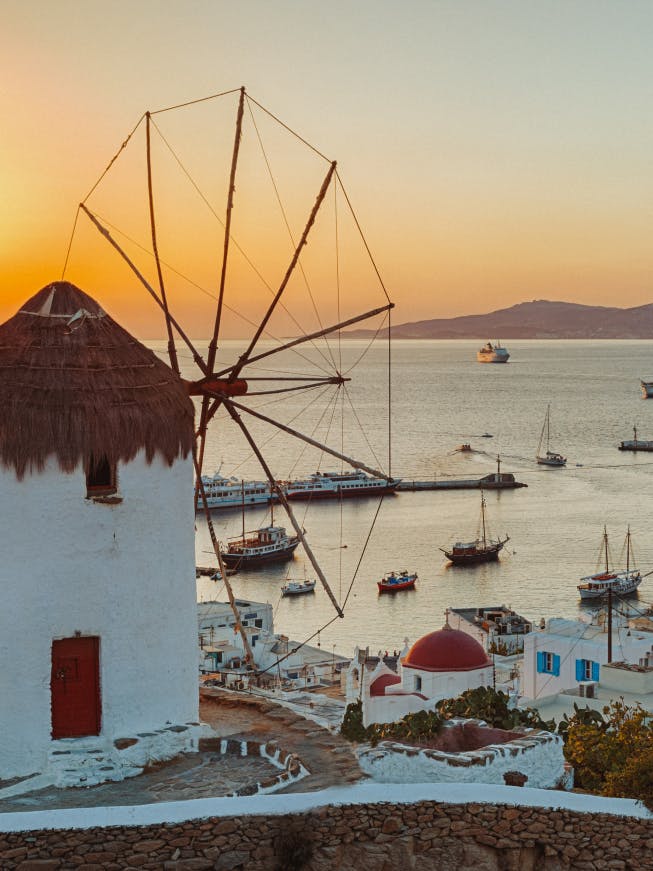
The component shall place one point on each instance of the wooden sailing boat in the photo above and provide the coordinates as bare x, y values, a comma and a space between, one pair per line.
549, 457
622, 583
481, 550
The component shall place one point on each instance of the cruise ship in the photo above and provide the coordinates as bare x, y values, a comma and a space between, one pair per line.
492, 354
327, 485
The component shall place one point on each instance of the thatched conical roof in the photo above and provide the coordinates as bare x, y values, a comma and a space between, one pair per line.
75, 384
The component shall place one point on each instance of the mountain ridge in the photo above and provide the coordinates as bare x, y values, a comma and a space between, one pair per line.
538, 319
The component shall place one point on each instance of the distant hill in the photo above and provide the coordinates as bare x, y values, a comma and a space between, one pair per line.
539, 319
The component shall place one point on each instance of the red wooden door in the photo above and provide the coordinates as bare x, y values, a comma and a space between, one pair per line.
75, 687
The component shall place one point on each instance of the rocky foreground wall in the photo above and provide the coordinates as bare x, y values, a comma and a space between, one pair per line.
426, 836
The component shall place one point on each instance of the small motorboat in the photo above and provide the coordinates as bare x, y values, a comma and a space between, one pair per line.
393, 582
465, 449
492, 354
297, 588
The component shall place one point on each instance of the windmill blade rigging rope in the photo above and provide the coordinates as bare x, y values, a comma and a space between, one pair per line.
115, 156
386, 317
195, 102
290, 233
360, 425
235, 242
251, 99
212, 295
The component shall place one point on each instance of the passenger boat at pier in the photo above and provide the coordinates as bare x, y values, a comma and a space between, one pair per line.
621, 583
492, 353
482, 550
330, 485
224, 492
393, 582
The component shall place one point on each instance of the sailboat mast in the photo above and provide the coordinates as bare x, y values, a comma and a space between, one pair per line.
628, 549
242, 501
483, 515
605, 542
548, 413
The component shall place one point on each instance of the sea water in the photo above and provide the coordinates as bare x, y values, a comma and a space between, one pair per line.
441, 397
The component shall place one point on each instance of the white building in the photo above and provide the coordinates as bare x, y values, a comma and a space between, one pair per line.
98, 631
498, 629
279, 660
569, 655
441, 665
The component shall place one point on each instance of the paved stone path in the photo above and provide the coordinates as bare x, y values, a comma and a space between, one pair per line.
232, 715
328, 756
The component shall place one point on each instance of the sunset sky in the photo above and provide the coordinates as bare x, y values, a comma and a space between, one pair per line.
494, 152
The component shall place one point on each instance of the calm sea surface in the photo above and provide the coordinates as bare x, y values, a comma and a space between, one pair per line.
441, 397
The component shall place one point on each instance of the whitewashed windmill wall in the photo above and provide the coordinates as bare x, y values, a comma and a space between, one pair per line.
116, 566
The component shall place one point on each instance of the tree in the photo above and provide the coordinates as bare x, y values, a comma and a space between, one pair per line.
612, 754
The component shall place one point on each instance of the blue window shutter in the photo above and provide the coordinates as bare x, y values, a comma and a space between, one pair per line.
580, 669
541, 663
556, 665
595, 671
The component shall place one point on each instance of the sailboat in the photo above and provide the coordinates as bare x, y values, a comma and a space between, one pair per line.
622, 583
482, 550
259, 546
550, 458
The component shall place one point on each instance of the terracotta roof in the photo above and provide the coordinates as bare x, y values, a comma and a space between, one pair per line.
76, 385
378, 686
446, 650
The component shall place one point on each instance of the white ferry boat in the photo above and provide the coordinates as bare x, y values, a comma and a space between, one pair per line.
224, 492
329, 485
492, 354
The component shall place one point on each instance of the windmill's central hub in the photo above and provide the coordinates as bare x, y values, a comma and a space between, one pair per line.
210, 385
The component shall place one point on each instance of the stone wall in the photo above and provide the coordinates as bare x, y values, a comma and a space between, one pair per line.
534, 753
425, 836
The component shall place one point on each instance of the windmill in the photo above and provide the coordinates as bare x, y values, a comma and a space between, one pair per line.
229, 387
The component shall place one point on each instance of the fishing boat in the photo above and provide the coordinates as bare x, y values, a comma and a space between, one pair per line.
621, 583
647, 389
259, 546
549, 457
331, 485
482, 550
492, 353
393, 582
224, 492
636, 444
298, 588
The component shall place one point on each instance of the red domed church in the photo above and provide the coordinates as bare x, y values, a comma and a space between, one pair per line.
440, 665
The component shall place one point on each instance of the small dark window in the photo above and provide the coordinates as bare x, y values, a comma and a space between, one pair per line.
101, 478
